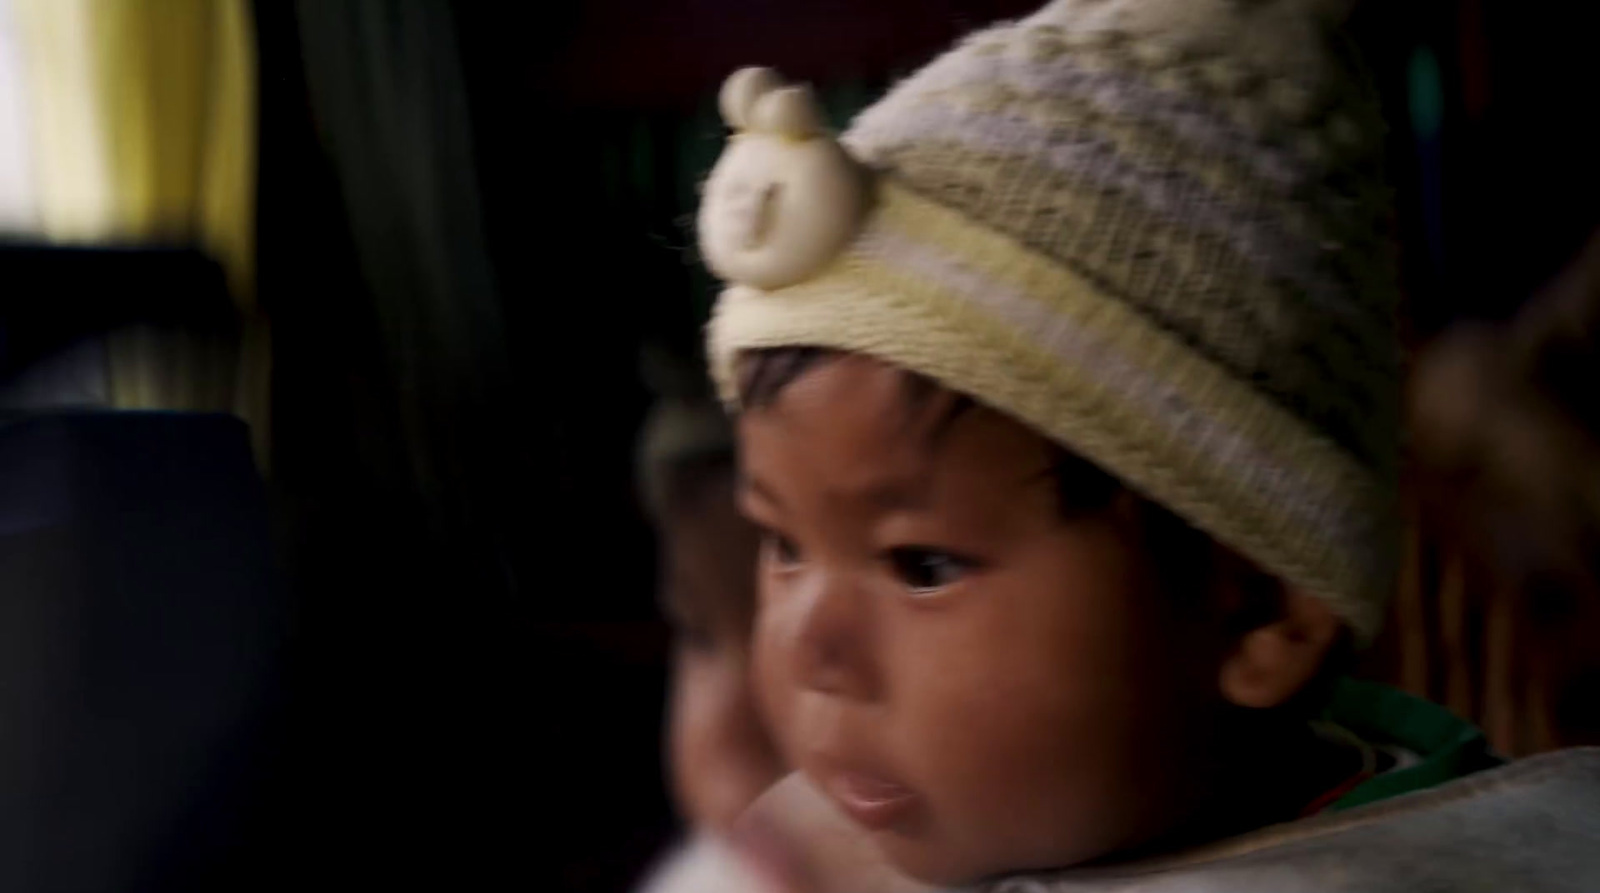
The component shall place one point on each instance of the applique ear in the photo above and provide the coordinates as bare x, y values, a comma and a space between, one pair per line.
785, 197
741, 91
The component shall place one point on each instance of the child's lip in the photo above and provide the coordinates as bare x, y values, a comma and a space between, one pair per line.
870, 798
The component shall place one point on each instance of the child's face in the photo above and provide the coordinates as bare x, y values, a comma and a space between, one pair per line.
983, 684
721, 757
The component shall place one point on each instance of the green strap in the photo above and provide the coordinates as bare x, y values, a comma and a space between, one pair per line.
1449, 746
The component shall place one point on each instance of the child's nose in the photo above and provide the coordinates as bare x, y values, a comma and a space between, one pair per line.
833, 640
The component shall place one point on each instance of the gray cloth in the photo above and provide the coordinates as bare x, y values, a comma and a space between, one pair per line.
1532, 826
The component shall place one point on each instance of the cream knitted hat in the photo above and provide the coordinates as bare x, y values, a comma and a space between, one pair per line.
1152, 230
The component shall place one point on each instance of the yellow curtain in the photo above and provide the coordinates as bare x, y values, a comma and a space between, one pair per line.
69, 158
146, 120
178, 81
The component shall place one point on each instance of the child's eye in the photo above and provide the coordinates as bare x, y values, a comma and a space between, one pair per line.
925, 571
780, 548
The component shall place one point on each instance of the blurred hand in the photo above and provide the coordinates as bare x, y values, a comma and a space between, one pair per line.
801, 843
706, 865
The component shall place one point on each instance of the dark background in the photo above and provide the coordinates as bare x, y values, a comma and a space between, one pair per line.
472, 217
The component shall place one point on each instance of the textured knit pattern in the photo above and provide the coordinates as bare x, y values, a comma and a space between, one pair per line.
1153, 230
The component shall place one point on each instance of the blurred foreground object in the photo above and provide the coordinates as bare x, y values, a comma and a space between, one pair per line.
719, 753
706, 866
1505, 422
791, 840
142, 637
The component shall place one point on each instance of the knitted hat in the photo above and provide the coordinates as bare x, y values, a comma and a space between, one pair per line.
1151, 230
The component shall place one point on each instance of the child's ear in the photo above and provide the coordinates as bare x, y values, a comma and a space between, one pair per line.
1274, 660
